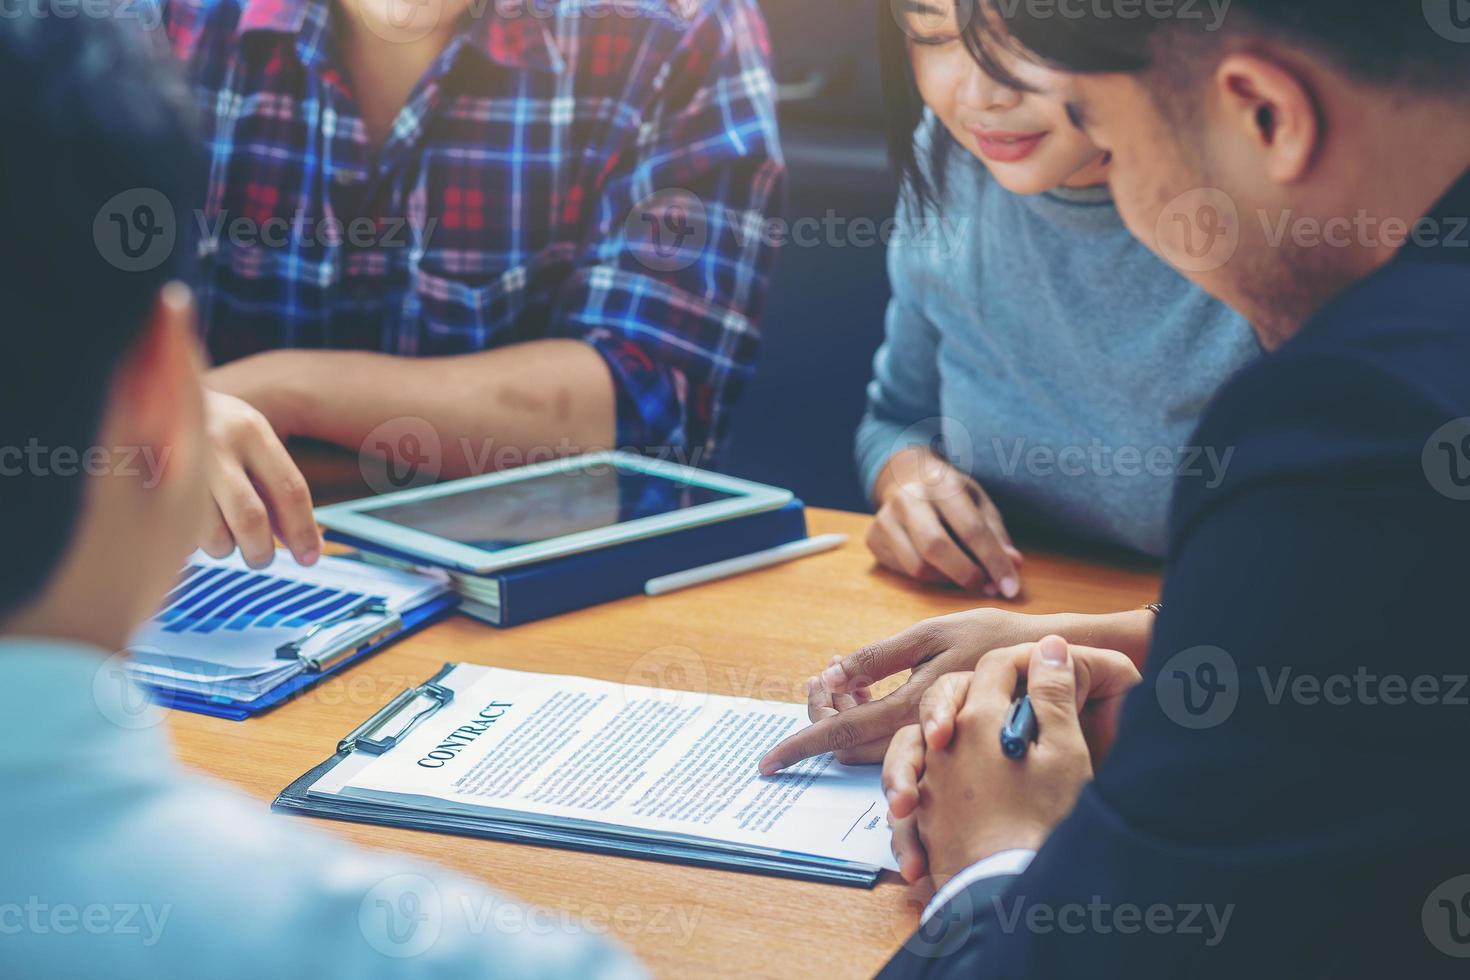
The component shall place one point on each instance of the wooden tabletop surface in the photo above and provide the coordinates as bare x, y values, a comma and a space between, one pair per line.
761, 636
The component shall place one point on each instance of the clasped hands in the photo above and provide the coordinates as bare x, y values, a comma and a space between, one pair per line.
954, 798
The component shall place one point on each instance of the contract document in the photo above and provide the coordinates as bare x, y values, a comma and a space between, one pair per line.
662, 773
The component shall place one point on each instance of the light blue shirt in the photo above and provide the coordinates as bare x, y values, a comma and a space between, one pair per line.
117, 863
1051, 355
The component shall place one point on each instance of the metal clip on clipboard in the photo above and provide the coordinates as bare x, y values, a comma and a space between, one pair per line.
394, 718
384, 624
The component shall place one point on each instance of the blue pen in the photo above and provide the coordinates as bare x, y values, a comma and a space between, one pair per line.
1019, 730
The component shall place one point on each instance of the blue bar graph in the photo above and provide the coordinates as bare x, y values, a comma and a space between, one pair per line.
209, 599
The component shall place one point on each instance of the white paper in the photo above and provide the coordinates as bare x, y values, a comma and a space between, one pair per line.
242, 664
571, 750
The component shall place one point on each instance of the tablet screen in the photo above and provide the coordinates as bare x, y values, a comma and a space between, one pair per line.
523, 512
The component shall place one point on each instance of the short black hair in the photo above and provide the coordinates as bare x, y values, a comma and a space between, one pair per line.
91, 122
1392, 42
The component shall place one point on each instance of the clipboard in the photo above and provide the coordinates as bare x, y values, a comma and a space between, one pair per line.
380, 628
388, 726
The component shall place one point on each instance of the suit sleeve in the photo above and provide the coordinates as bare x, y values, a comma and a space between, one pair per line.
1280, 796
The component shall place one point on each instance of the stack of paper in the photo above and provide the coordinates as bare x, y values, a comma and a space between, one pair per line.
221, 629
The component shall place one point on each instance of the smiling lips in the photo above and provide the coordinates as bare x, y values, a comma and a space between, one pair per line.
1003, 147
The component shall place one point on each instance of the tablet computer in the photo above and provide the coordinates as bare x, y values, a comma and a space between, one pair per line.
547, 510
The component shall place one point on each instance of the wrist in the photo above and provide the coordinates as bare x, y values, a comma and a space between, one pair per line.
907, 465
1127, 632
945, 866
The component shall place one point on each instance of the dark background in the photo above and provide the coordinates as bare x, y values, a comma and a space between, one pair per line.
824, 318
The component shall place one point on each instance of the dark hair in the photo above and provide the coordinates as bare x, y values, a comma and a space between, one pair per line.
1383, 41
904, 112
90, 113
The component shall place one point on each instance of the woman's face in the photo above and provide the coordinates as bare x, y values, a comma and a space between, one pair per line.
1024, 138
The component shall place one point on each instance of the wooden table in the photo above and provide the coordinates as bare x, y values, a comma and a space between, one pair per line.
760, 635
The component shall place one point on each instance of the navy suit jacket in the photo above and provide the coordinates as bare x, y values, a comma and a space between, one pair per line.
1289, 795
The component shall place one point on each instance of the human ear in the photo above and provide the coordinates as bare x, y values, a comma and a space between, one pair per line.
1271, 108
157, 404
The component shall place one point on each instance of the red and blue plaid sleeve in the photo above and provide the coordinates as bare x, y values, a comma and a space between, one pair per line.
670, 293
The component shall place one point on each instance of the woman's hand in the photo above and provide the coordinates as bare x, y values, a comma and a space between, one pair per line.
936, 524
846, 720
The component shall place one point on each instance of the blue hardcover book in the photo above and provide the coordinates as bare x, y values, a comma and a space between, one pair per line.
550, 588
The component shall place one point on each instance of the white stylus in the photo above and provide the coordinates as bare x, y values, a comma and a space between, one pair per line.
665, 584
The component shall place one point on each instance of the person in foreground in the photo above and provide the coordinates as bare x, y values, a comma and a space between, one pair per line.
465, 236
117, 862
1058, 378
1286, 794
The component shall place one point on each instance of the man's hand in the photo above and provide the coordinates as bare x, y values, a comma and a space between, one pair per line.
937, 772
843, 720
936, 524
258, 491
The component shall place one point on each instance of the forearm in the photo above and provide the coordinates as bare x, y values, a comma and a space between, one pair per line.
491, 410
1127, 632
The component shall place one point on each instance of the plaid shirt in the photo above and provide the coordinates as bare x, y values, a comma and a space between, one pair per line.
565, 168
